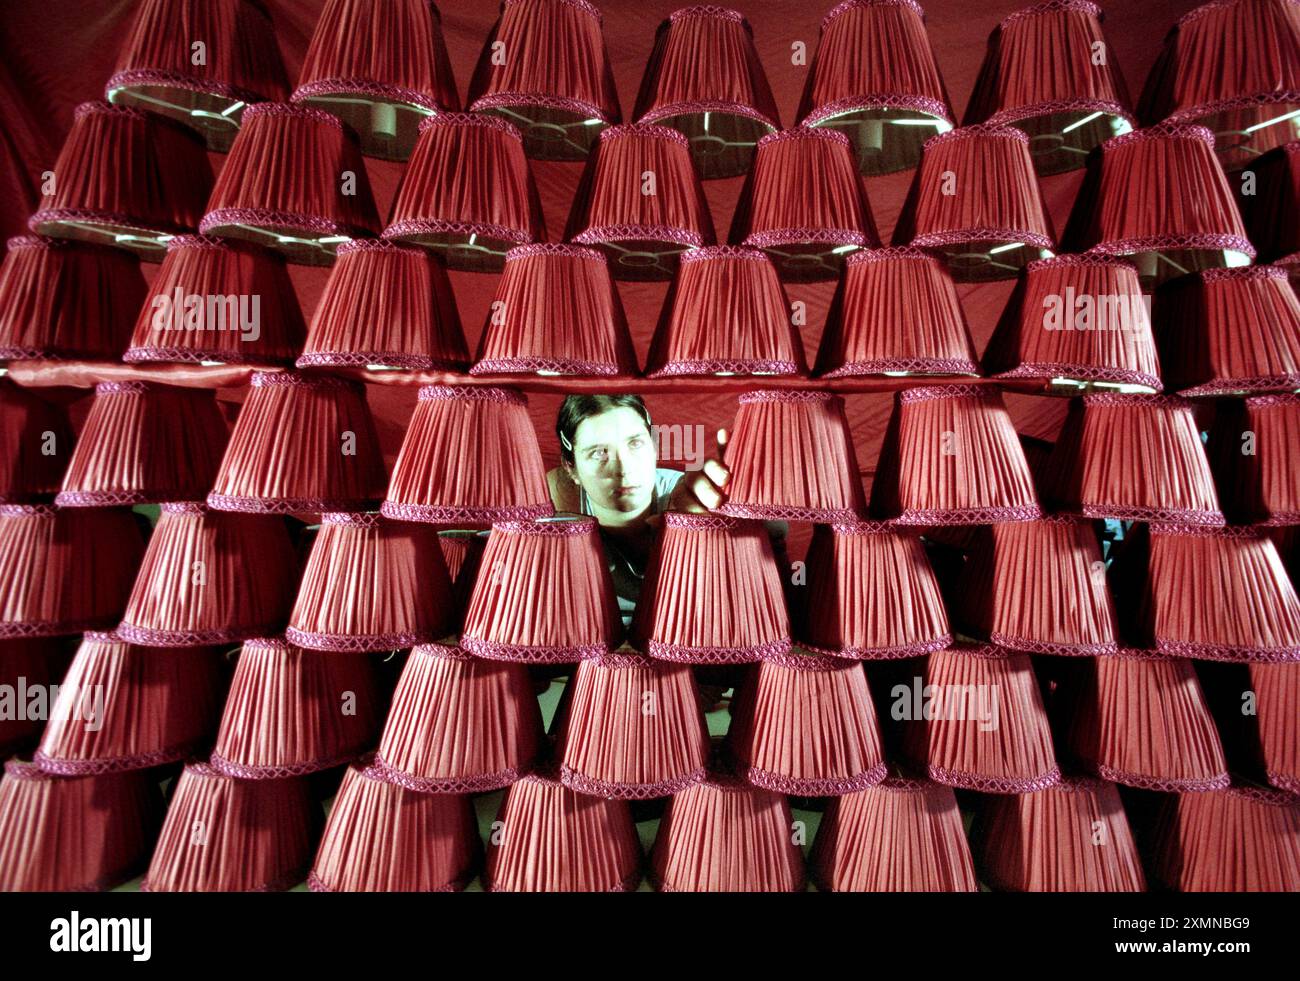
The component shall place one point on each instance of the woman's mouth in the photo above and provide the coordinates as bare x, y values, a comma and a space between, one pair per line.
624, 491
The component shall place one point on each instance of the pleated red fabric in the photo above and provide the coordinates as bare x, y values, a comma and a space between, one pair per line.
63, 299
1251, 447
902, 835
641, 201
381, 66
874, 77
1272, 213
1287, 542
791, 457
704, 79
1073, 837
467, 193
74, 834
240, 64
302, 442
463, 552
1076, 322
1042, 75
470, 455
556, 312
35, 445
26, 665
125, 178
975, 201
294, 182
711, 593
1278, 689
215, 301
544, 67
122, 707
225, 835
384, 838
896, 313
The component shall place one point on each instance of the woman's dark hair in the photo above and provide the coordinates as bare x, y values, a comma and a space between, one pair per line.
579, 407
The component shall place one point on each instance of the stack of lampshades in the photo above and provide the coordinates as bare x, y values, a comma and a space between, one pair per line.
961, 628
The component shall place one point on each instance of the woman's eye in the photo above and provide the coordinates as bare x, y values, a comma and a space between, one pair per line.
636, 442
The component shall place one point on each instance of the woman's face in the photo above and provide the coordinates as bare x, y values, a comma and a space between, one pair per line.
615, 460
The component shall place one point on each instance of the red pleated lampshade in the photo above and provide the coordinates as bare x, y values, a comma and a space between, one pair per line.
901, 835
711, 593
257, 835
294, 182
210, 577
467, 192
371, 584
62, 299
459, 724
384, 838
975, 201
31, 663
1272, 213
63, 571
470, 455
705, 80
144, 443
556, 312
951, 457
218, 301
1159, 196
1252, 449
386, 306
896, 313
1076, 322
130, 708
463, 552
545, 68
1278, 689
126, 178
875, 78
301, 443
35, 445
1134, 458
157, 68
791, 457
65, 834
1048, 72
640, 200
1234, 66
381, 66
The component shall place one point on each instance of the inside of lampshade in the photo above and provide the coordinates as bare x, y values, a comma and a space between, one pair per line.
214, 117
1156, 266
809, 262
148, 244
641, 260
982, 262
886, 140
386, 128
468, 252
297, 245
1243, 133
1061, 141
550, 133
722, 143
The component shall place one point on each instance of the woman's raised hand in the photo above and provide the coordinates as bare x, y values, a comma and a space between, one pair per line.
703, 489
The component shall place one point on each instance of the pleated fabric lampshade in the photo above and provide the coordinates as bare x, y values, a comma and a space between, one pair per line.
65, 834
459, 724
371, 584
157, 69
1272, 213
975, 201
896, 313
381, 66
791, 457
1159, 196
875, 79
62, 299
210, 577
804, 724
711, 593
640, 200
122, 707
63, 571
1278, 689
35, 445
34, 662
218, 301
302, 442
705, 80
1073, 837
463, 552
725, 314
951, 457
294, 182
807, 234
257, 835
384, 838
125, 178
902, 835
1234, 66
1047, 72
470, 455
467, 193
144, 443
1251, 444
556, 312
544, 67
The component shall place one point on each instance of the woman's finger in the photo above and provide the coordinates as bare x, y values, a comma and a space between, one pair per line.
717, 472
705, 492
